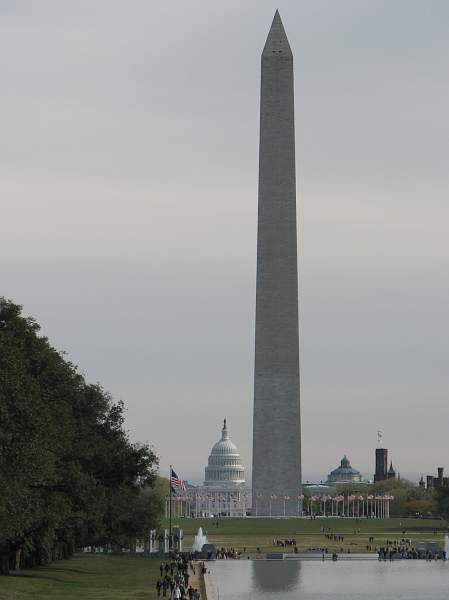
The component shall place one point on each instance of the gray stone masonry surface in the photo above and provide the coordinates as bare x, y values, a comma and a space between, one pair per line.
276, 424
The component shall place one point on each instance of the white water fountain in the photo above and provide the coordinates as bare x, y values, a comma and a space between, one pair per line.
199, 541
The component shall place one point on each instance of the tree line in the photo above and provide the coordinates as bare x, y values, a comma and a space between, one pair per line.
69, 475
410, 500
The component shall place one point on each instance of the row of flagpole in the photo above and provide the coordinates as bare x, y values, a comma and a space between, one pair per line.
352, 505
370, 505
218, 504
273, 498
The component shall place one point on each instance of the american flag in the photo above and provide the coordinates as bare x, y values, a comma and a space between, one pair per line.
176, 482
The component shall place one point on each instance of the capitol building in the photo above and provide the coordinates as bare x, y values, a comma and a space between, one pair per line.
224, 492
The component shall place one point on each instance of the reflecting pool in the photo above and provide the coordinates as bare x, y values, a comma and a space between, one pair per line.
352, 580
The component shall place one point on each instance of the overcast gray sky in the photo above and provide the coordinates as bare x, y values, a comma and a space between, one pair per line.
128, 158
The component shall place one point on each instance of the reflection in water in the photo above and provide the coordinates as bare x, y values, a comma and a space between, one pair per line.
275, 575
341, 580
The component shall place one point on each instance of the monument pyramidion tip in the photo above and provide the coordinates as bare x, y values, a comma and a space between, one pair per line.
277, 41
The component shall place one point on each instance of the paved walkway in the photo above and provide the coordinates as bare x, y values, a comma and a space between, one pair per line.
196, 579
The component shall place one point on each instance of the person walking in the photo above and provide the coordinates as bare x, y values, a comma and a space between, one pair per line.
158, 588
176, 593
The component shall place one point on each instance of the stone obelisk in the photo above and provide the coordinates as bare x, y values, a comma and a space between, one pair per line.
276, 426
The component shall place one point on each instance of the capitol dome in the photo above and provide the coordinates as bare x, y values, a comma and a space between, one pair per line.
224, 466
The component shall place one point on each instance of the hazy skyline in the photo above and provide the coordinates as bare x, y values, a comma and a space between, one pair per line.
129, 157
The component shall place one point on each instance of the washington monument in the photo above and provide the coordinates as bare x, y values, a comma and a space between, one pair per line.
276, 427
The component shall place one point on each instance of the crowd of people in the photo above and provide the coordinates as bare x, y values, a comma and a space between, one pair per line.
392, 549
334, 537
174, 578
403, 549
284, 543
224, 553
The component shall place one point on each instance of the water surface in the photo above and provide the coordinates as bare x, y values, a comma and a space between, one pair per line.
352, 580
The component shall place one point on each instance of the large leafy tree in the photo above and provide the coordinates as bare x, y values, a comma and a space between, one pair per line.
442, 501
410, 500
69, 474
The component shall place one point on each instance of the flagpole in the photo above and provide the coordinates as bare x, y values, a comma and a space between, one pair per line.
169, 514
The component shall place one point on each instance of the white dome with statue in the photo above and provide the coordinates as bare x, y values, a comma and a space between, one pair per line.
224, 492
224, 467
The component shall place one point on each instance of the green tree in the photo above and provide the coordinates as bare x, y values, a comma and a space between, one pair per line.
70, 476
442, 501
410, 500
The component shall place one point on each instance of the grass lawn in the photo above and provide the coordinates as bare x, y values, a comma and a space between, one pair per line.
97, 577
259, 532
83, 577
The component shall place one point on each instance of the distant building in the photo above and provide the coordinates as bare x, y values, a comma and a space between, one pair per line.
381, 465
224, 491
382, 472
344, 474
319, 489
224, 468
391, 472
437, 482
